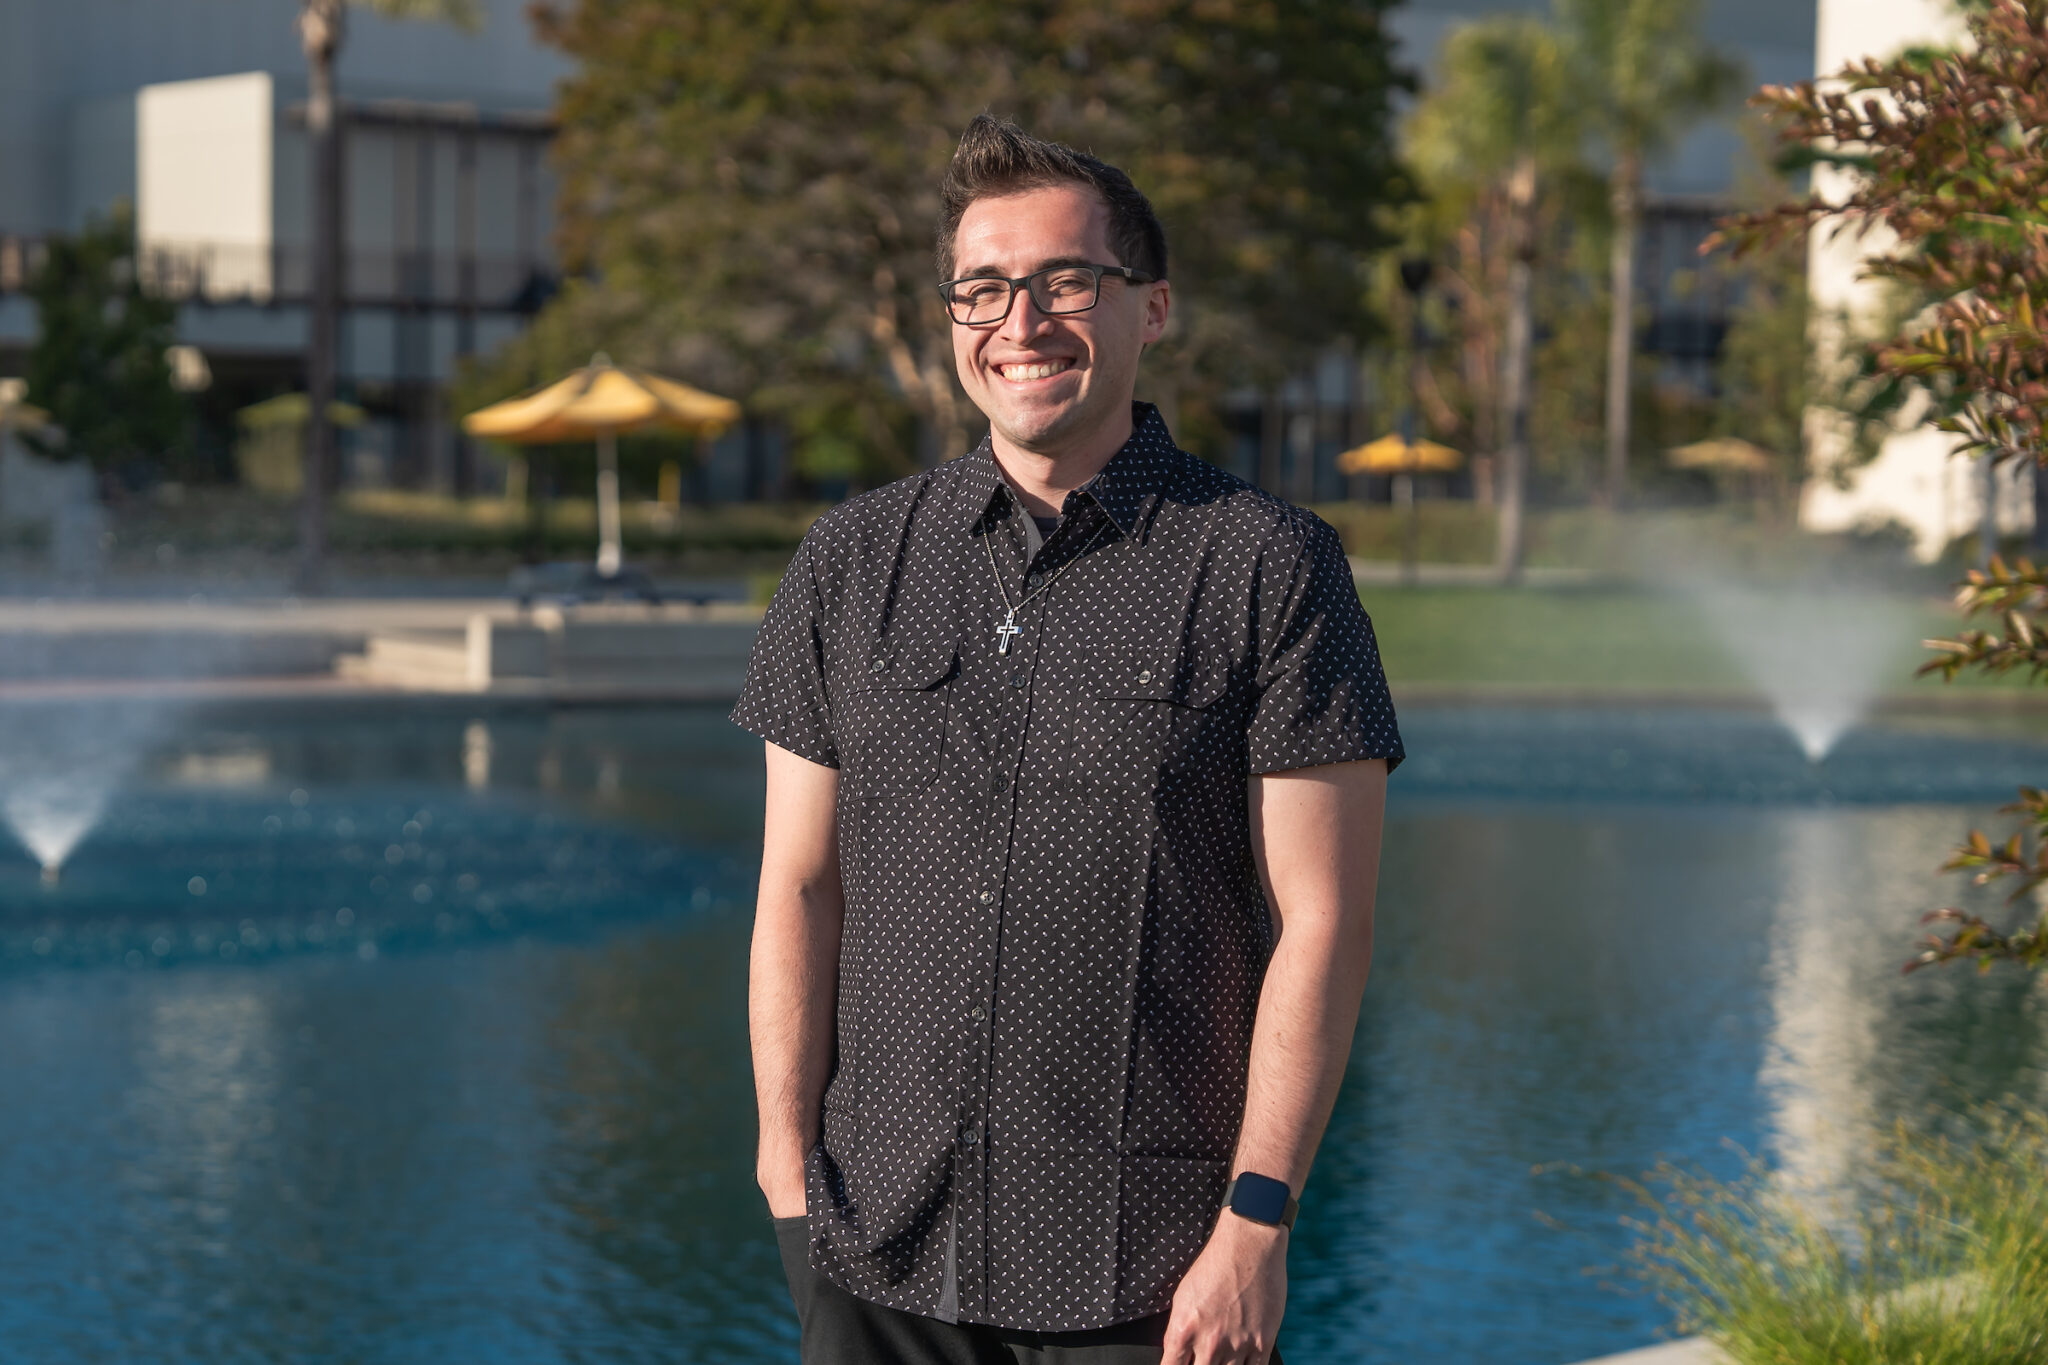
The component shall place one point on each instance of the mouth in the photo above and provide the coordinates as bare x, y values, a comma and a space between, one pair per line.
1027, 371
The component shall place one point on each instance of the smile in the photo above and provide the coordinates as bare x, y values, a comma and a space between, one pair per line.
1038, 369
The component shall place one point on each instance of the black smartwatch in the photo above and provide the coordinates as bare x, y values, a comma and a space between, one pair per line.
1261, 1199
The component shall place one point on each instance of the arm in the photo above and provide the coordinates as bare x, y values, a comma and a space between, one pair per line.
793, 974
1316, 838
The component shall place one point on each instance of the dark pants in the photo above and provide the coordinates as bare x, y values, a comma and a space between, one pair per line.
840, 1329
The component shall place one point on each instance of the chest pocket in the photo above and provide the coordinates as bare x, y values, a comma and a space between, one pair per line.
892, 726
1141, 729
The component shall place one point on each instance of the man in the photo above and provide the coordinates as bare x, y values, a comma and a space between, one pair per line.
1076, 754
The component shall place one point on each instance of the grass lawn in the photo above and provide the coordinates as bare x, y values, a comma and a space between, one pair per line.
1608, 639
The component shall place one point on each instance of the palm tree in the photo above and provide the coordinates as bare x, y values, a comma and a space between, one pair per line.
322, 27
1646, 76
1498, 125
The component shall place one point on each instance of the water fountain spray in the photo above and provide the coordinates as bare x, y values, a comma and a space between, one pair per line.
1820, 657
60, 767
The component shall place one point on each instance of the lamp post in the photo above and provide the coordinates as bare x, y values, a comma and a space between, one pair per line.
1415, 275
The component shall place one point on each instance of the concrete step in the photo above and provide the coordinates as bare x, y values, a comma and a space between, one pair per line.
361, 668
429, 651
649, 653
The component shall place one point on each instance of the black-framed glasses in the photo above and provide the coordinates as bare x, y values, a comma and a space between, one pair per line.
979, 300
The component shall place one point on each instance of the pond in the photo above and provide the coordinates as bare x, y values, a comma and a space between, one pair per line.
418, 1034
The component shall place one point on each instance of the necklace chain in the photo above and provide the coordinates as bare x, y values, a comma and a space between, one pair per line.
1009, 628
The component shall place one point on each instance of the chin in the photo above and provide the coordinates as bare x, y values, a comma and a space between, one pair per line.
1038, 428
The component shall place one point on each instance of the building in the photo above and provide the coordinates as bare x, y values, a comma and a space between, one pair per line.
192, 111
1915, 480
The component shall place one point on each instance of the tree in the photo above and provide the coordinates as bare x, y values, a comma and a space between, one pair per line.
98, 365
1645, 76
1496, 131
752, 193
1946, 155
322, 28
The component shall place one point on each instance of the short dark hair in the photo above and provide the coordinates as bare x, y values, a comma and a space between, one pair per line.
996, 157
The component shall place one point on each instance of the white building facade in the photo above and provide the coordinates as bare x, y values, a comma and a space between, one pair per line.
192, 112
1915, 480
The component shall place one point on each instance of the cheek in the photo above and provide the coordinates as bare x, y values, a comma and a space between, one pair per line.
966, 355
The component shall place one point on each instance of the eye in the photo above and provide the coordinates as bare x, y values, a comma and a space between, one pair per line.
979, 291
1069, 284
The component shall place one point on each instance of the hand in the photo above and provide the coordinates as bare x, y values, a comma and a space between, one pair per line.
1228, 1306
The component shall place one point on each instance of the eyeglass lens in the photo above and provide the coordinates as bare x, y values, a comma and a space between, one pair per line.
1060, 289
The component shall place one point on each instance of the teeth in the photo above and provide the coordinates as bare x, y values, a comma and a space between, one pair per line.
1043, 370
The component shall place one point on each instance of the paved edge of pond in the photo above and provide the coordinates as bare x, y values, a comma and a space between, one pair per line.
327, 689
1685, 1351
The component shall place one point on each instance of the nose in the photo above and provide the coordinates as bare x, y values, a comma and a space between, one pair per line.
1023, 321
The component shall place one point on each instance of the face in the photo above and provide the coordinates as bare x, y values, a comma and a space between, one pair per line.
1050, 383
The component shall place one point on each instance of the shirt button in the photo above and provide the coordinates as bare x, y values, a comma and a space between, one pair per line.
977, 1014
1000, 782
876, 666
1035, 582
988, 897
970, 1134
1019, 678
1145, 676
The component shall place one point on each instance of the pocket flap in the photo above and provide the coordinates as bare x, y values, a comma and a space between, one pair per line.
1191, 685
909, 670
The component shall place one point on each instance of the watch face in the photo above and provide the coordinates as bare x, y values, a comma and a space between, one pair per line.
1259, 1197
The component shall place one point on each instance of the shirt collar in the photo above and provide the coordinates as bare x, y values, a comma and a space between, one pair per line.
1126, 489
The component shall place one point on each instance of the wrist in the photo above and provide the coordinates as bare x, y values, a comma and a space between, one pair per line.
1241, 1234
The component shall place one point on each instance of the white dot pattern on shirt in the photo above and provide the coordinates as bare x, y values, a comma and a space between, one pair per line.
1054, 937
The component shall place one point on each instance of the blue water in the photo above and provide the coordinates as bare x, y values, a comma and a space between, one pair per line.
500, 1108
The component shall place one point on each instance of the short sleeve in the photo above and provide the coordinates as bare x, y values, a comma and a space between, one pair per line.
783, 700
1322, 696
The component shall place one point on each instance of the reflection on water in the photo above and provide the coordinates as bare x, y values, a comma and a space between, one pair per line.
535, 1143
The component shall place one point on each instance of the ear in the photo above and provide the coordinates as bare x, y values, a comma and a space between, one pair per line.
1158, 305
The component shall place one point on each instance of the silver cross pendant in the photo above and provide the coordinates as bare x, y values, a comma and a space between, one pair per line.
1005, 631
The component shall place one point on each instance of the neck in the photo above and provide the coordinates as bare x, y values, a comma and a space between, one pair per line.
1041, 479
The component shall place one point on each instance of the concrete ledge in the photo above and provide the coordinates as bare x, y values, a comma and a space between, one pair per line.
1687, 1351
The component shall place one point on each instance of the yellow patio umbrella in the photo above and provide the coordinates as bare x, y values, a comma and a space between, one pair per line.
1395, 454
1403, 458
1722, 452
16, 412
596, 403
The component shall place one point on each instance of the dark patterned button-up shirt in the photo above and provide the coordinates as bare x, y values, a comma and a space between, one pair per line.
1054, 935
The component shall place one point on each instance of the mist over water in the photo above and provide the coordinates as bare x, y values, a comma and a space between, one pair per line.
60, 765
1821, 657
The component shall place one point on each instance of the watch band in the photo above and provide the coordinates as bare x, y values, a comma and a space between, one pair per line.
1262, 1199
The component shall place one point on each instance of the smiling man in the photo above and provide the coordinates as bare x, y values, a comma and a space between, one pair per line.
1077, 748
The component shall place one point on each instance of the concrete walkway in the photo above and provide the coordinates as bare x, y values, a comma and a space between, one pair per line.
1686, 1351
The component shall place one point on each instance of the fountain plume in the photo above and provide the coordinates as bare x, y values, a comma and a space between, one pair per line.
1820, 657
60, 767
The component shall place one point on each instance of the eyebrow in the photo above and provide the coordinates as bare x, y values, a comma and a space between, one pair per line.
990, 272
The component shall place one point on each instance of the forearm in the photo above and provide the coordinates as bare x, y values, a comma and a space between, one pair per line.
791, 995
1301, 1041
1317, 833
793, 972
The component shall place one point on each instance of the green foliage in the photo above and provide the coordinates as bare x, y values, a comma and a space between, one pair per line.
2015, 597
463, 14
1764, 374
1948, 151
1641, 72
1943, 1262
1503, 89
97, 365
1548, 90
752, 191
